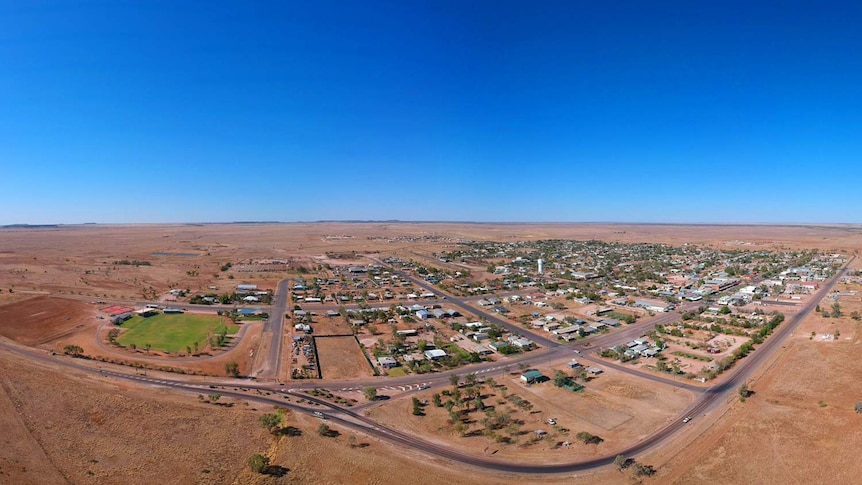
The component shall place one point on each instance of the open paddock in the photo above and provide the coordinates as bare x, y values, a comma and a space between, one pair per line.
42, 319
341, 358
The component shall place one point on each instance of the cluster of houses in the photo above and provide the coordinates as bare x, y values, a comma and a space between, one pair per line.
570, 328
641, 348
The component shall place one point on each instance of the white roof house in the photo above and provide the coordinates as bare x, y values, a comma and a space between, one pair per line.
435, 354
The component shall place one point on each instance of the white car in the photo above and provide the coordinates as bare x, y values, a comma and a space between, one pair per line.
686, 419
552, 421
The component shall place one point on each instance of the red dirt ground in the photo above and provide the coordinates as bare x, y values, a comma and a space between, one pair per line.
44, 319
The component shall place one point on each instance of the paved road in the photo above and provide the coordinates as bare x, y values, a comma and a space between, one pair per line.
708, 400
275, 328
462, 304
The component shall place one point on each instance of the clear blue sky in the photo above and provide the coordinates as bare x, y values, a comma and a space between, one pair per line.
169, 111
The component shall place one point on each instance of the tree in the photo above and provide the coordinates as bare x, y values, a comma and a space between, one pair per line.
370, 393
836, 309
213, 397
621, 462
324, 430
744, 392
271, 422
258, 463
471, 379
588, 439
560, 378
232, 369
73, 350
454, 379
437, 400
859, 407
641, 470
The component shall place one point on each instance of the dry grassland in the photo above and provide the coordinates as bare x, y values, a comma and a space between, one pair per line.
60, 427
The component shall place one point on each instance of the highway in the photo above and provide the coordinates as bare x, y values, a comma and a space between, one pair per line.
708, 398
275, 328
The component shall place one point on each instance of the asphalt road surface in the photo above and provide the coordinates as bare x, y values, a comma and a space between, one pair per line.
708, 399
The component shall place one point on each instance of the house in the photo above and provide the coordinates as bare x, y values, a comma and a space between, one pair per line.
480, 336
484, 302
414, 357
358, 322
435, 354
332, 313
523, 343
573, 364
387, 362
532, 377
497, 346
312, 300
251, 299
424, 314
438, 313
572, 329
245, 288
594, 370
481, 349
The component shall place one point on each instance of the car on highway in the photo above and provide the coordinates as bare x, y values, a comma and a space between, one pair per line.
318, 414
423, 387
686, 419
576, 351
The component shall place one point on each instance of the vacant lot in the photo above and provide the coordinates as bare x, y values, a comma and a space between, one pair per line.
331, 326
173, 333
341, 358
615, 406
43, 319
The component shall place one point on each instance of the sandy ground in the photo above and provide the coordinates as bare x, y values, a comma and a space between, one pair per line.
83, 429
614, 406
799, 427
341, 358
43, 319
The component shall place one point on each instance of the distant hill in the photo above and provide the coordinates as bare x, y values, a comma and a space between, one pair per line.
29, 226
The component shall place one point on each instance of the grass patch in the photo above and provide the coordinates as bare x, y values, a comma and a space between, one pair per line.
396, 372
453, 349
623, 317
173, 333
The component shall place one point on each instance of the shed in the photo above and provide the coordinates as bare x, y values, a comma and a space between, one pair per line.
532, 377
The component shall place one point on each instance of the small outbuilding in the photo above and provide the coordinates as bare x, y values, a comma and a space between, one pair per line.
532, 377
